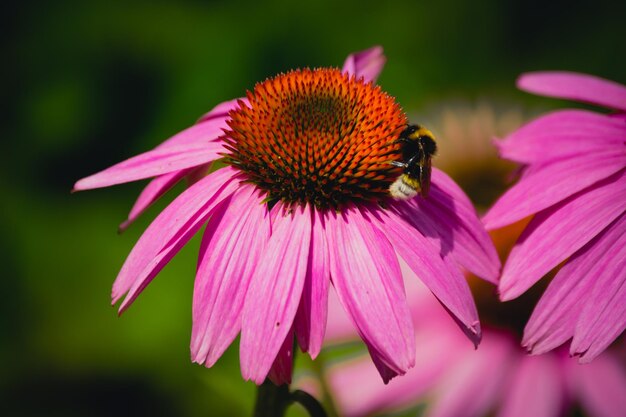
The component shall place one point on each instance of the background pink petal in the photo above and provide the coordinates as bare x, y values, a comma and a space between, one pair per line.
473, 385
366, 274
274, 293
441, 276
367, 64
310, 322
600, 386
159, 161
233, 242
558, 232
536, 389
575, 86
169, 231
360, 392
551, 183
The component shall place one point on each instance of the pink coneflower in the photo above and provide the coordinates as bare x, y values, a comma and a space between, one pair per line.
498, 379
574, 183
303, 203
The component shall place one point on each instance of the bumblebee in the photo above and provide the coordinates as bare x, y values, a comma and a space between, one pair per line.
418, 147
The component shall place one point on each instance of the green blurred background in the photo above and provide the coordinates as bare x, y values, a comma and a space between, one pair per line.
86, 84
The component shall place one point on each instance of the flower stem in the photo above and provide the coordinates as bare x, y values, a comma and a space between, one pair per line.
309, 403
271, 400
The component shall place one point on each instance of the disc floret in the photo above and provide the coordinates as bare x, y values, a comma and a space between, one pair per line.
318, 137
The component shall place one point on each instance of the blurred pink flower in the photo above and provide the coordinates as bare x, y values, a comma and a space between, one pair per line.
453, 379
574, 183
302, 204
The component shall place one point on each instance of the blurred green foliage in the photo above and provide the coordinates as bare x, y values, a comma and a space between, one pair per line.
86, 84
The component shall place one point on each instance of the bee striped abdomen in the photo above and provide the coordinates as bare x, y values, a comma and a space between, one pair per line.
405, 187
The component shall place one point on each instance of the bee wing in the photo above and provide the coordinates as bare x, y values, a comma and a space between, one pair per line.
425, 170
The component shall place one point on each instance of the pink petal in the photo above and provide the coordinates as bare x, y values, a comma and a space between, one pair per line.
153, 191
554, 318
282, 368
310, 323
603, 316
367, 64
448, 218
552, 145
600, 386
574, 86
556, 233
474, 383
551, 183
439, 274
170, 231
274, 293
232, 245
159, 161
573, 122
536, 389
368, 281
579, 289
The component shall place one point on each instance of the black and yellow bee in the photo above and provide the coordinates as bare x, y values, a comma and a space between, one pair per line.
418, 147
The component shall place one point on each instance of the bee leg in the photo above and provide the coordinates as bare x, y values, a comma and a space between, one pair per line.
398, 164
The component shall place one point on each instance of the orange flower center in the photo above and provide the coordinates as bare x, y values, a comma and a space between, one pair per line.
317, 136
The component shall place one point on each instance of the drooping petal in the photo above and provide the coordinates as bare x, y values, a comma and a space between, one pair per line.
274, 293
172, 228
232, 245
472, 387
600, 386
440, 275
551, 183
367, 64
310, 322
578, 291
448, 218
536, 389
151, 193
366, 275
282, 368
159, 161
575, 86
558, 232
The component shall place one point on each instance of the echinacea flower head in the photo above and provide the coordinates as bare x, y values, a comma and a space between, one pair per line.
573, 183
302, 204
499, 378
